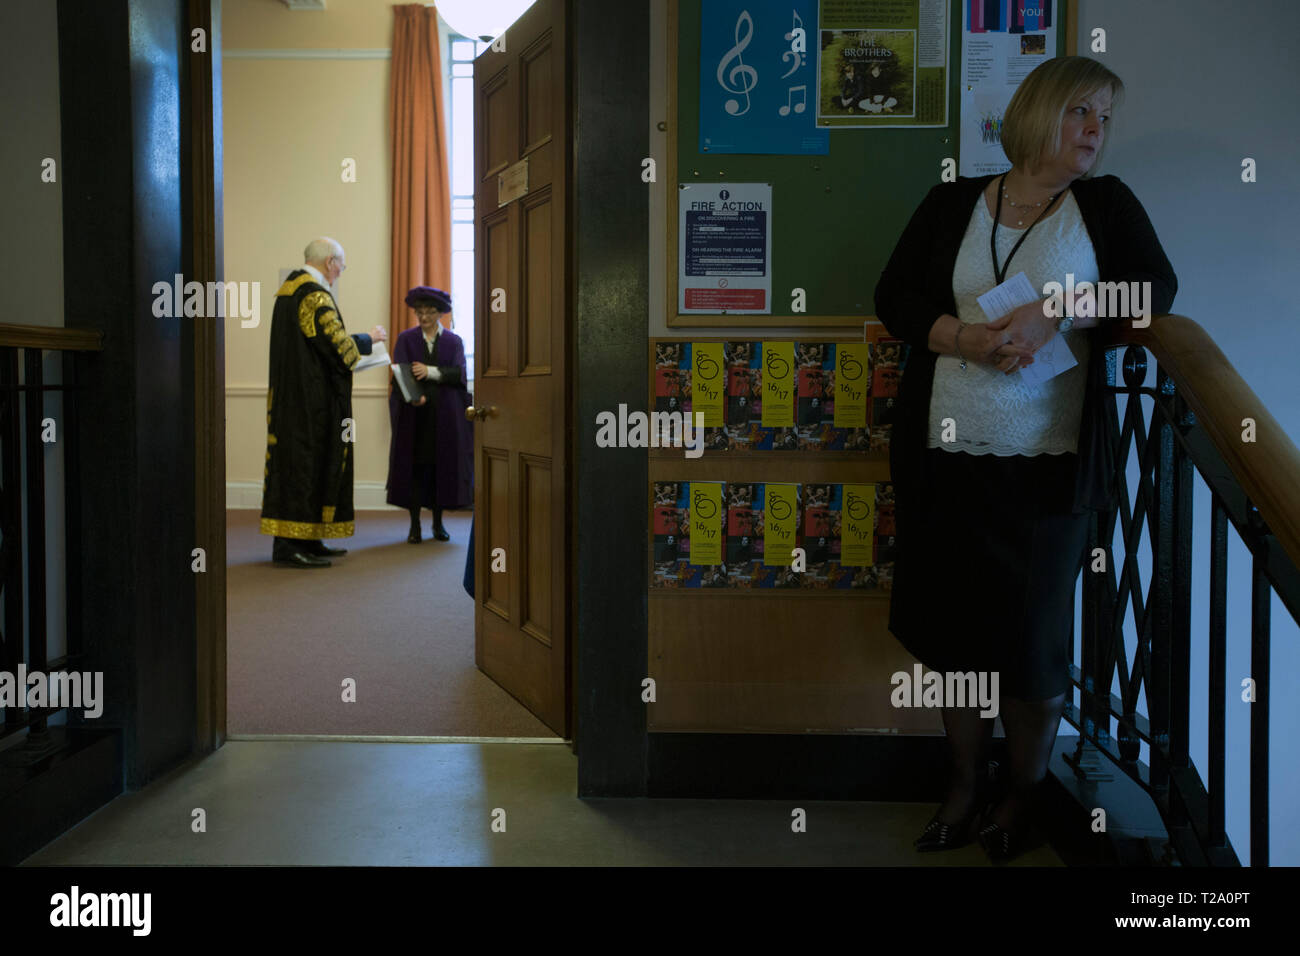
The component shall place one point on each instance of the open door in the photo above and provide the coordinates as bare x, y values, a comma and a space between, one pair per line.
521, 166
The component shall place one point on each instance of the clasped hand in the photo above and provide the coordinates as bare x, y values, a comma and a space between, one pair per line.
1009, 343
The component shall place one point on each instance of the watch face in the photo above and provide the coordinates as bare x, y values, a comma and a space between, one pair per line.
1065, 324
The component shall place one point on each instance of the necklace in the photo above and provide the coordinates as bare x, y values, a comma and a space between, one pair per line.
1000, 273
1020, 205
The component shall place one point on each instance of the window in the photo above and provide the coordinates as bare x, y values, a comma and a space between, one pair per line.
461, 117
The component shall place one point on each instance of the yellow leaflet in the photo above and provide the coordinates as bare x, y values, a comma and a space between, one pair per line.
851, 384
708, 382
706, 522
858, 526
778, 384
780, 517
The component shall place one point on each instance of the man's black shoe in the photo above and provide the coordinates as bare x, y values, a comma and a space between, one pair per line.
319, 549
440, 534
301, 559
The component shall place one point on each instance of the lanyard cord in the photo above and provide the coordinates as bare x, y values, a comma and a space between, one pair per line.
1001, 274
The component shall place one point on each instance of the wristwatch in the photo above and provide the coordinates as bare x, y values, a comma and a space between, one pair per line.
1066, 323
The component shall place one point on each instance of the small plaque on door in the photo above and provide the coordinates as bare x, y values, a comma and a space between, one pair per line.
512, 183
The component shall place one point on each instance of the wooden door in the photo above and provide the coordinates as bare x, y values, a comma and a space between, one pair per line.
521, 130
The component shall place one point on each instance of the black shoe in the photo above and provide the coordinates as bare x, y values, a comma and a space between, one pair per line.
318, 549
440, 534
1000, 844
414, 536
938, 835
301, 559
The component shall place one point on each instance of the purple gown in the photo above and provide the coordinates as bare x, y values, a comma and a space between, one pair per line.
450, 483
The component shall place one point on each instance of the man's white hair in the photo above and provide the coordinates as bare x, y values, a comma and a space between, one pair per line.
318, 250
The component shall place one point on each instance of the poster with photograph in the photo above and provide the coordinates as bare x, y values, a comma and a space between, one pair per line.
1001, 43
689, 524
882, 63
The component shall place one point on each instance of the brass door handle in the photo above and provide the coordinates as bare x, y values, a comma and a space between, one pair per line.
481, 412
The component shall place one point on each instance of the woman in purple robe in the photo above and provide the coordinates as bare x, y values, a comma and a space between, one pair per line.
431, 458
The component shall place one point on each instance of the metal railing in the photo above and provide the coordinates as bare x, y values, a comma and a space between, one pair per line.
23, 542
1201, 408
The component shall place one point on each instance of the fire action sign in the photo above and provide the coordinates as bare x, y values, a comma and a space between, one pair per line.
725, 238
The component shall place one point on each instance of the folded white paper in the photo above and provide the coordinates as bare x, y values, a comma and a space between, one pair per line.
1010, 295
378, 356
1055, 356
1049, 361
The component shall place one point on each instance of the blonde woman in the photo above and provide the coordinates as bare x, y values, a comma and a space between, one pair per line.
995, 477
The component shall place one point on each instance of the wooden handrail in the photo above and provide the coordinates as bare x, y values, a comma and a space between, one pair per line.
52, 338
1267, 469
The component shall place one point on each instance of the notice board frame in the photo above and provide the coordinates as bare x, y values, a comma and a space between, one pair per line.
891, 211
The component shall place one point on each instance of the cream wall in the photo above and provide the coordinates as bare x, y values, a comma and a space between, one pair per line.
304, 90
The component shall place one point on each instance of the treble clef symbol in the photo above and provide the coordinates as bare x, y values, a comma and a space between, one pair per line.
748, 75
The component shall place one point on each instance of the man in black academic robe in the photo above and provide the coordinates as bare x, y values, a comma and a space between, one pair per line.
307, 494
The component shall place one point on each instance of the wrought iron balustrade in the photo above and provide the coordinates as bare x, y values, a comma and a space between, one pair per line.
1201, 409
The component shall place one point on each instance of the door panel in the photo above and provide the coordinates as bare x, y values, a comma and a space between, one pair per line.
521, 619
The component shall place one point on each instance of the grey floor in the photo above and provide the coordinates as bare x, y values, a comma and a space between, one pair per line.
433, 804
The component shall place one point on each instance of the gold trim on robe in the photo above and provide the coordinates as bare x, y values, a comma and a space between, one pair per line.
311, 303
306, 530
293, 285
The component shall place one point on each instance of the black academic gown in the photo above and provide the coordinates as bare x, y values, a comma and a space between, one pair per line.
307, 493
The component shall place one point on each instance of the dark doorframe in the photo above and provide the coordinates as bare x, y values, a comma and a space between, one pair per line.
611, 246
201, 173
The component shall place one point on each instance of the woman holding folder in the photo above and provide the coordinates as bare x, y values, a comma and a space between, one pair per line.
431, 458
995, 471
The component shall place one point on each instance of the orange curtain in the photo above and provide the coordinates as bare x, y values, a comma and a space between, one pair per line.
421, 183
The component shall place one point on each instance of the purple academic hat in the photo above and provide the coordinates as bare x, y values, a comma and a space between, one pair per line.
422, 294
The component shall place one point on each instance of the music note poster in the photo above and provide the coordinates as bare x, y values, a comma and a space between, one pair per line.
758, 79
882, 63
725, 242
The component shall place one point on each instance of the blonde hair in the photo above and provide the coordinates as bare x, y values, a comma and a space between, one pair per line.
1031, 127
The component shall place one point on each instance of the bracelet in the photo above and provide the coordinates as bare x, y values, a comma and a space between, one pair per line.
956, 341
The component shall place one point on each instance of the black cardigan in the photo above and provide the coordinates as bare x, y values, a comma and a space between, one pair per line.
916, 288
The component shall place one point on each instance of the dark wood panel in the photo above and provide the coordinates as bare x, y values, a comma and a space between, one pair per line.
536, 574
495, 131
538, 266
495, 242
781, 666
495, 475
538, 88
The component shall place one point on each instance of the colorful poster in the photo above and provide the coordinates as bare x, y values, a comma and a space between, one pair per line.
852, 362
672, 392
858, 526
707, 521
725, 241
882, 63
757, 76
778, 384
780, 522
709, 382
1001, 43
815, 372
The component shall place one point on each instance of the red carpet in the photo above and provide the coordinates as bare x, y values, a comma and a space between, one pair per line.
392, 616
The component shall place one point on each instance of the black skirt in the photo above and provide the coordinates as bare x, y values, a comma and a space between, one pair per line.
985, 580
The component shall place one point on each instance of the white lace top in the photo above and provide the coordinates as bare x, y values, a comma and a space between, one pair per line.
1000, 414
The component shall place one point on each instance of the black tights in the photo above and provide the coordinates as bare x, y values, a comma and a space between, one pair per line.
1030, 726
415, 517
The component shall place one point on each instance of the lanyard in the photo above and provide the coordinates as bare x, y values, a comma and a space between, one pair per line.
1001, 274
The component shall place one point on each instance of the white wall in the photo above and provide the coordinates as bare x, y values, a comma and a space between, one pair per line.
31, 243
